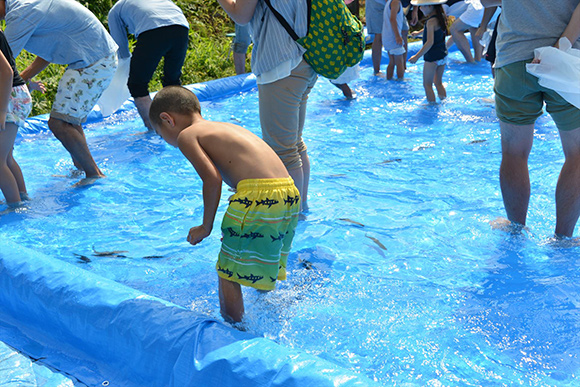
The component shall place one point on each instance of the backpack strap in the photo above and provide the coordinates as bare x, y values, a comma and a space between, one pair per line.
283, 21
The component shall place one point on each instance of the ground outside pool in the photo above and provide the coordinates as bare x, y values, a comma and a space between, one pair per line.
396, 273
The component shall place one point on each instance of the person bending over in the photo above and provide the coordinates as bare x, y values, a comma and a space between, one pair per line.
258, 226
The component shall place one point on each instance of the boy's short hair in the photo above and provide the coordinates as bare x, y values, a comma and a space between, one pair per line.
173, 99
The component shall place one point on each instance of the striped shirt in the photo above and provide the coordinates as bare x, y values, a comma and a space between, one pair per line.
272, 43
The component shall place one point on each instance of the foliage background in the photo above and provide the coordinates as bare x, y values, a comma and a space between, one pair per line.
208, 56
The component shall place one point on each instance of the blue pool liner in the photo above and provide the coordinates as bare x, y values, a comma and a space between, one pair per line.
103, 333
106, 334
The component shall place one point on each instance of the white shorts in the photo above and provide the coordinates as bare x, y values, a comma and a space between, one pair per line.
80, 89
397, 51
456, 9
349, 75
472, 16
440, 62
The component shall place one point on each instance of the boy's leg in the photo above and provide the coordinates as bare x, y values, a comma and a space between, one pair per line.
516, 144
231, 300
477, 47
400, 63
391, 67
428, 76
377, 52
568, 187
438, 80
8, 183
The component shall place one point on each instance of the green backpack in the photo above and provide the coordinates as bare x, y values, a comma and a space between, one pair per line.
334, 40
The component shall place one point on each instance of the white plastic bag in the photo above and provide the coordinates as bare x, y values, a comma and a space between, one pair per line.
559, 70
117, 92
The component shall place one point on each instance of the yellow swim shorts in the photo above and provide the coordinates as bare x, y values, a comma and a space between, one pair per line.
258, 228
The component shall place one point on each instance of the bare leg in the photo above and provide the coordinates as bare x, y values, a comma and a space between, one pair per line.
231, 300
240, 62
391, 67
438, 80
477, 47
429, 69
143, 105
376, 53
400, 63
305, 182
405, 35
568, 187
8, 182
516, 144
73, 139
346, 91
458, 34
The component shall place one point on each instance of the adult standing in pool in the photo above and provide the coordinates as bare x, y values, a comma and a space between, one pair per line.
524, 26
284, 79
161, 31
64, 32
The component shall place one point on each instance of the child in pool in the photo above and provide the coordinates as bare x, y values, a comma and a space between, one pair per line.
433, 50
259, 223
15, 106
393, 24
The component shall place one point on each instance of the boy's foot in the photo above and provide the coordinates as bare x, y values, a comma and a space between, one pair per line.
87, 181
380, 74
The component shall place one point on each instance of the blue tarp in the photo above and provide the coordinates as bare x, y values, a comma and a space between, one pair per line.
106, 334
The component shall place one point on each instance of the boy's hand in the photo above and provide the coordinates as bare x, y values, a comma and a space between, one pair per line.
413, 59
37, 85
197, 234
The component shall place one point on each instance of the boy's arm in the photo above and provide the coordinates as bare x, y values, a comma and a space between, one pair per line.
572, 31
34, 68
395, 4
212, 185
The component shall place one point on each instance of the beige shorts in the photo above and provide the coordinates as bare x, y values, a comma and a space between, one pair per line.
80, 89
19, 105
519, 99
282, 113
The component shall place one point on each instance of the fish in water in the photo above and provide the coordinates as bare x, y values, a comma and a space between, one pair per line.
390, 161
477, 141
352, 221
82, 258
378, 242
154, 256
116, 253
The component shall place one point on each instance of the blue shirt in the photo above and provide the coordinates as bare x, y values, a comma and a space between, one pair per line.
58, 31
138, 16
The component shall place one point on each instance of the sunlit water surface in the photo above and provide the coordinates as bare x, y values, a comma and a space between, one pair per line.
396, 273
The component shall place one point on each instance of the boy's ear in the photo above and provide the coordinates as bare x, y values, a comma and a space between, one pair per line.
166, 117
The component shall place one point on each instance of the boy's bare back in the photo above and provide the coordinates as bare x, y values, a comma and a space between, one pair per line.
237, 153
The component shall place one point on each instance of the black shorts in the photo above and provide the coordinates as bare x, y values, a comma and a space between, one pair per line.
165, 42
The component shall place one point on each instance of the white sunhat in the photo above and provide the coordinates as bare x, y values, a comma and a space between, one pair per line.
428, 2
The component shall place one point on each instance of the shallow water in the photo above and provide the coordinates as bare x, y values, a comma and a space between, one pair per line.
396, 273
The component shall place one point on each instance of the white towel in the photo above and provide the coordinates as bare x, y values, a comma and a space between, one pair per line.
117, 92
559, 70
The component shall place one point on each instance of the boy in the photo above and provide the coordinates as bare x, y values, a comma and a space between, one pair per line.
259, 223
